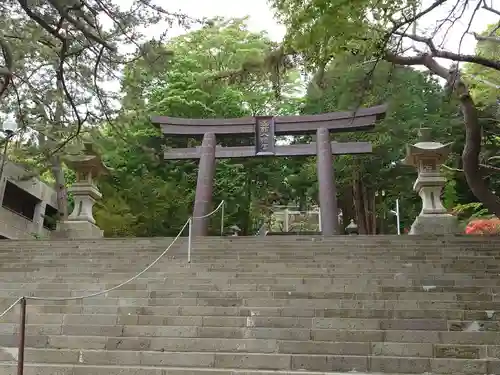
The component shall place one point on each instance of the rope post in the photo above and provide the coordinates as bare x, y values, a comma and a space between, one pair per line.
190, 235
222, 219
22, 336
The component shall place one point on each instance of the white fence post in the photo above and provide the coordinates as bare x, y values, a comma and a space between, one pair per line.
222, 219
189, 239
398, 220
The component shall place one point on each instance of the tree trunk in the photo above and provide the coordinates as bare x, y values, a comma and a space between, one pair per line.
346, 203
373, 210
366, 208
60, 186
470, 157
359, 205
246, 217
55, 160
473, 136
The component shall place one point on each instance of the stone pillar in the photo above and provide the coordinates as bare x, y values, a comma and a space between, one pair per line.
327, 188
204, 185
3, 179
84, 204
38, 217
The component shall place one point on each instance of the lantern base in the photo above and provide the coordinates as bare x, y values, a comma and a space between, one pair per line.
77, 230
435, 224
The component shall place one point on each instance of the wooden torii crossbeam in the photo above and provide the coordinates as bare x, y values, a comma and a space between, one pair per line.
264, 129
338, 148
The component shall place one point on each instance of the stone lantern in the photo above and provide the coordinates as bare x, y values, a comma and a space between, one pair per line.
352, 228
81, 222
427, 156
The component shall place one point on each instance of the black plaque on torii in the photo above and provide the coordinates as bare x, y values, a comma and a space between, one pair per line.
264, 135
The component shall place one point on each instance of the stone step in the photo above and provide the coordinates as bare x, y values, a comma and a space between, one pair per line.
69, 274
214, 242
88, 305
267, 321
398, 282
247, 256
112, 275
471, 337
222, 262
424, 294
35, 311
60, 369
254, 345
259, 303
272, 241
241, 290
239, 253
261, 361
106, 278
380, 239
394, 253
252, 298
251, 251
310, 260
249, 277
38, 315
251, 266
115, 277
264, 249
279, 269
304, 286
249, 282
255, 249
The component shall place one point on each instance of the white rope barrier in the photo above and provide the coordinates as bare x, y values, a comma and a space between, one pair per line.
190, 235
10, 307
23, 299
221, 204
96, 294
119, 285
152, 264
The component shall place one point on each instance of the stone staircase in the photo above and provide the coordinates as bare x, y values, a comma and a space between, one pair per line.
255, 306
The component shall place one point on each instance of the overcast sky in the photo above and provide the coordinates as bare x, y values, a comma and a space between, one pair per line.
261, 17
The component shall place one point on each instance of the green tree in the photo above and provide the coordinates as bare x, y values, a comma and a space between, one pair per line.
484, 82
321, 30
414, 100
184, 87
57, 63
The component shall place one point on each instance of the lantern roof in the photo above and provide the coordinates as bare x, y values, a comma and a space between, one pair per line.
90, 161
426, 148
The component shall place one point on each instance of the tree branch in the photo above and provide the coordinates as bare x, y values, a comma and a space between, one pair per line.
484, 166
5, 71
476, 59
482, 38
485, 6
417, 16
473, 134
64, 12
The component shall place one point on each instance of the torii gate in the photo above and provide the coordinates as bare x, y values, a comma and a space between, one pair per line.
264, 129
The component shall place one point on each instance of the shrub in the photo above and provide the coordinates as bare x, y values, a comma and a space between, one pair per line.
483, 227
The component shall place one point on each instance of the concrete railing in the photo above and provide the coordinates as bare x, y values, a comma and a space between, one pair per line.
16, 226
